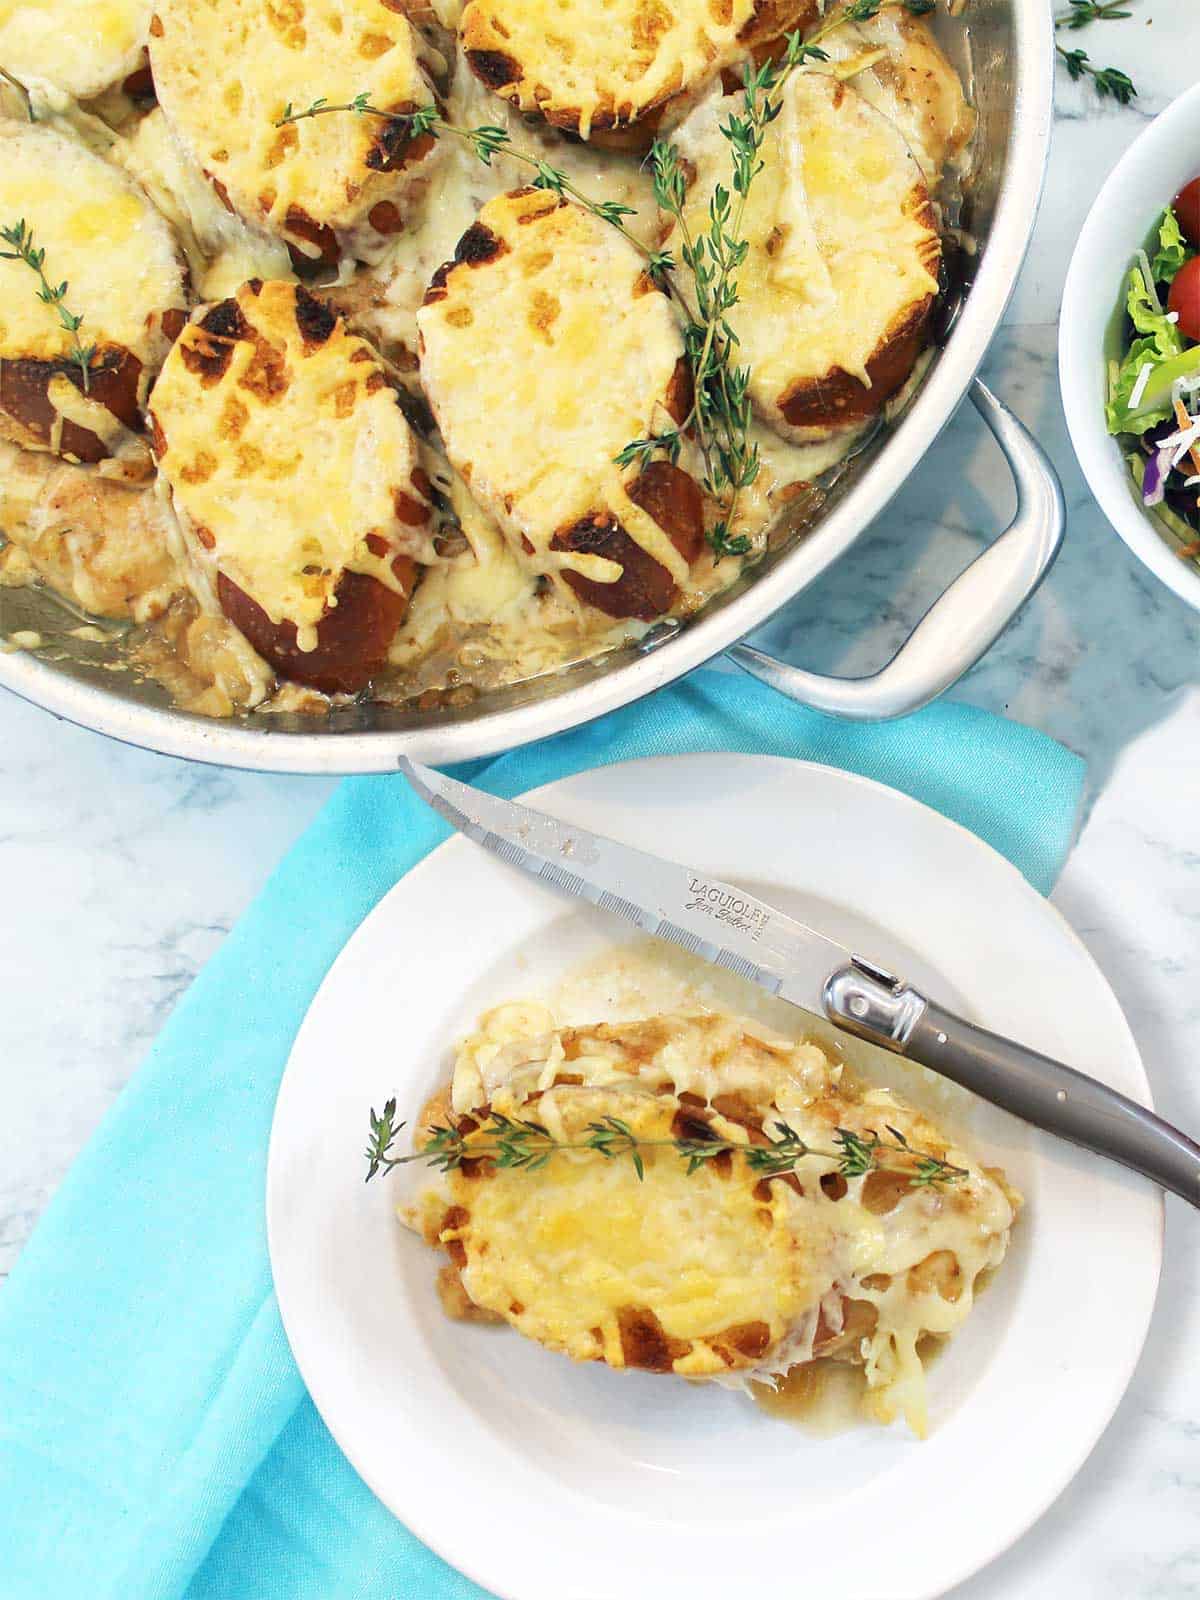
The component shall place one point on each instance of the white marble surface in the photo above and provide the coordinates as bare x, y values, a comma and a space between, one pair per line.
123, 871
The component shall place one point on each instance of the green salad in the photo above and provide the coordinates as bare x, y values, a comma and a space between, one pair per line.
1154, 388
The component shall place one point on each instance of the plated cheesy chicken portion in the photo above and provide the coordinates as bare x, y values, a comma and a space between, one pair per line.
346, 353
638, 1223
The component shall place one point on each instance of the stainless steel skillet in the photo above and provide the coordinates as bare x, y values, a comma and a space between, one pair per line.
1012, 61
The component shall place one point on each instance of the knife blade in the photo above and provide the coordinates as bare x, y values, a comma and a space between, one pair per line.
726, 925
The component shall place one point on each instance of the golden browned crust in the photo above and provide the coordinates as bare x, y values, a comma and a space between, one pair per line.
839, 400
645, 588
29, 418
353, 637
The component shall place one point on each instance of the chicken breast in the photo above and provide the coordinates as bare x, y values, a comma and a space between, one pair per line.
712, 1265
903, 72
103, 546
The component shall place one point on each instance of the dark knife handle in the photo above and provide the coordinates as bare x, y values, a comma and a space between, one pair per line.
1032, 1086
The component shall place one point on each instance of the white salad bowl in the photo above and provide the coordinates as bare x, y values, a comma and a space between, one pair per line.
1143, 183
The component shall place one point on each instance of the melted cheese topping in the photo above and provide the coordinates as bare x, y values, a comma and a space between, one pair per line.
704, 1254
227, 70
79, 46
100, 234
223, 252
288, 461
558, 328
600, 62
900, 69
395, 287
742, 1279
841, 242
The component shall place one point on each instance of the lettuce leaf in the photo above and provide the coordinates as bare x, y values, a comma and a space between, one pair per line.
1173, 249
1160, 341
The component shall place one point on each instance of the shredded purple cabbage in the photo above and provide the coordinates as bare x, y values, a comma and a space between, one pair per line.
1154, 481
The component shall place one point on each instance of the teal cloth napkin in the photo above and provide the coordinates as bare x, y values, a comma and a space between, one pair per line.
156, 1441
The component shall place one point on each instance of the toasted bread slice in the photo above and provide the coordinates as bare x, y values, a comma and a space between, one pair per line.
338, 184
905, 75
591, 66
80, 46
91, 221
293, 469
843, 256
545, 349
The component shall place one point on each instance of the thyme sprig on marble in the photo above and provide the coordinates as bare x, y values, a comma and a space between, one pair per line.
517, 1144
19, 238
1108, 82
1084, 11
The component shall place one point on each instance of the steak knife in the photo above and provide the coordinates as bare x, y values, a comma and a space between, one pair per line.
724, 924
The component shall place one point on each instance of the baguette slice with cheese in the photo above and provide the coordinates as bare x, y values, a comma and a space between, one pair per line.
295, 474
841, 271
545, 349
123, 274
338, 184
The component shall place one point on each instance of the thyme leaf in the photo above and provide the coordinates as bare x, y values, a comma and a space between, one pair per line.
19, 238
721, 414
1084, 11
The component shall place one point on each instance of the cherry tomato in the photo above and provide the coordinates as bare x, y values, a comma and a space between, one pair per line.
1186, 206
1185, 298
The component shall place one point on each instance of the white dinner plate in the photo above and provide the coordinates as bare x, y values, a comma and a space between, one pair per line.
543, 1480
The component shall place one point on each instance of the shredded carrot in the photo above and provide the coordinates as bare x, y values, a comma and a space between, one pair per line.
1186, 421
1187, 551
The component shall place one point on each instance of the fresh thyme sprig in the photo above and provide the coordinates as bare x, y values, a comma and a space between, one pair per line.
517, 1144
1107, 81
720, 414
487, 142
22, 248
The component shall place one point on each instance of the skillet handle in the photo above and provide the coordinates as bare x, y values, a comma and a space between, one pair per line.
964, 622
